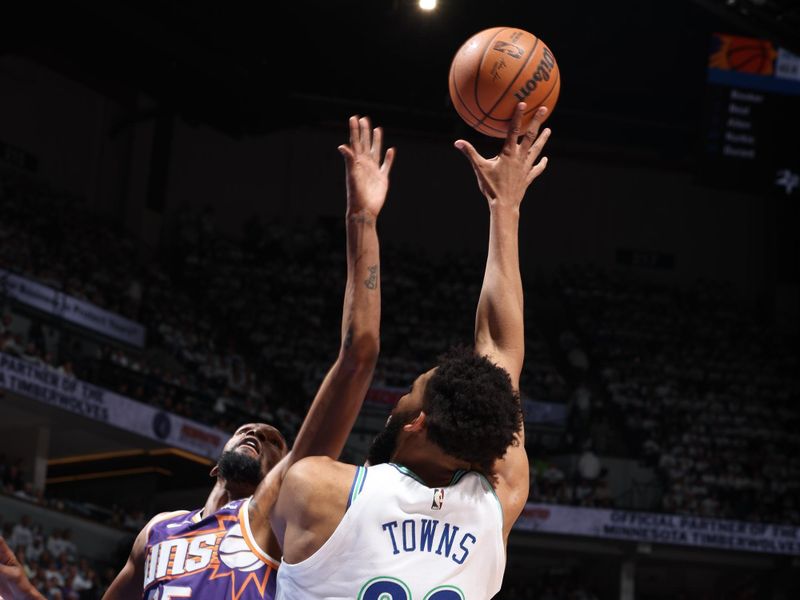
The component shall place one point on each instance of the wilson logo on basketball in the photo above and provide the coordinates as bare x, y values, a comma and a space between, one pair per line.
542, 73
512, 50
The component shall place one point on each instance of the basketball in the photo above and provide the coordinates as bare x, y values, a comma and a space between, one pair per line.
496, 69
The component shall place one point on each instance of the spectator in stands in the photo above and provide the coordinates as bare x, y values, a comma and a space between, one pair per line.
55, 543
68, 546
22, 534
34, 552
52, 574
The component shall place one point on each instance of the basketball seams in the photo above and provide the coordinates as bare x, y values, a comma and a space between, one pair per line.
510, 85
480, 67
478, 121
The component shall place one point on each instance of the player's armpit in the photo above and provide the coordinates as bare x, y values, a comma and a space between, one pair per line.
512, 471
513, 483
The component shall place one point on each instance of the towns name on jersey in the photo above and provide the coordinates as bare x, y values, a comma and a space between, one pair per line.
429, 535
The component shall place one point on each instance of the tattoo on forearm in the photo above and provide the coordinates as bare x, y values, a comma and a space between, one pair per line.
362, 219
372, 281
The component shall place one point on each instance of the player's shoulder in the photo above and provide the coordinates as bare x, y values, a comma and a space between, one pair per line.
166, 516
316, 476
161, 518
315, 468
143, 537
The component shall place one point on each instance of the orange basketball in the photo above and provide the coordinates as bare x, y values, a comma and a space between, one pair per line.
495, 70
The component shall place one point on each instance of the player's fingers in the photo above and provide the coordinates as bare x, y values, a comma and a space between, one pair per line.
377, 142
537, 170
469, 151
388, 160
515, 130
366, 134
355, 134
533, 128
537, 147
345, 151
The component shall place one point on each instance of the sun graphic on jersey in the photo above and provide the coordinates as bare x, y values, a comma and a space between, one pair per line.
233, 558
234, 552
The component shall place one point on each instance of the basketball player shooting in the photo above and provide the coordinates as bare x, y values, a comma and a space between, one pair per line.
227, 549
430, 515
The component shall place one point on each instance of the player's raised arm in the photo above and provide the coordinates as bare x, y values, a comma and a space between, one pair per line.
499, 326
338, 401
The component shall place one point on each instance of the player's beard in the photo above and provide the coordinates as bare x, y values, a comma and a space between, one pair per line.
385, 443
240, 469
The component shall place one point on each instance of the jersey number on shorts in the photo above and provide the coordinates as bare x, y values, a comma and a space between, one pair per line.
389, 588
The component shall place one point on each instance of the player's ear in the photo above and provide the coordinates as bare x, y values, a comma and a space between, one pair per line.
418, 424
214, 471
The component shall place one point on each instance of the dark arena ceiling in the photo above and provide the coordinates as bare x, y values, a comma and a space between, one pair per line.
632, 71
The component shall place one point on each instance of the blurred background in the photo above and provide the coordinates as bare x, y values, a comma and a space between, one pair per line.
172, 266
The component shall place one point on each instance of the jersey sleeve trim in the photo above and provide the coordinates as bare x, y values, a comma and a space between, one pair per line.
457, 477
247, 534
490, 487
358, 485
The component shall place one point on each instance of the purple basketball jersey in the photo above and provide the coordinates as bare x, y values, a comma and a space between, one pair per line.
205, 558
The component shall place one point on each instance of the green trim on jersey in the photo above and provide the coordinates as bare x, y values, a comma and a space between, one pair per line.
358, 485
499, 504
409, 473
457, 476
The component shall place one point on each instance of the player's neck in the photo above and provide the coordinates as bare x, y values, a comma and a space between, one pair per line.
429, 462
225, 492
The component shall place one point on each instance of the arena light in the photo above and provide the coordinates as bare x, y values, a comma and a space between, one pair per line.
427, 4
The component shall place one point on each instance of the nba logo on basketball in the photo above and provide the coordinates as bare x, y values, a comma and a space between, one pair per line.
438, 499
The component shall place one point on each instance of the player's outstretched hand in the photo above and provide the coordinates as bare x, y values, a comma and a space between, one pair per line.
367, 171
14, 585
505, 178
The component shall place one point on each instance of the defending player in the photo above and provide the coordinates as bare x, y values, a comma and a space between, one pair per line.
231, 552
448, 477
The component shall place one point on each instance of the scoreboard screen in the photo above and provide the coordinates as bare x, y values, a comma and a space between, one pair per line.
752, 118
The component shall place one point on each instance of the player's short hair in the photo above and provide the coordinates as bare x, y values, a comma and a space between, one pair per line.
472, 411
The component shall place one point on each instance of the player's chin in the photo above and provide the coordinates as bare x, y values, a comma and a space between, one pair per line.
247, 451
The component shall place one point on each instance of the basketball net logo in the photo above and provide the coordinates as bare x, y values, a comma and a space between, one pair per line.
512, 50
438, 499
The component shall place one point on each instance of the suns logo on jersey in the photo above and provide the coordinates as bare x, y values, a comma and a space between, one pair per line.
223, 551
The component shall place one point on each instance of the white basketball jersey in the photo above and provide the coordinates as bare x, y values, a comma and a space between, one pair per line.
402, 540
